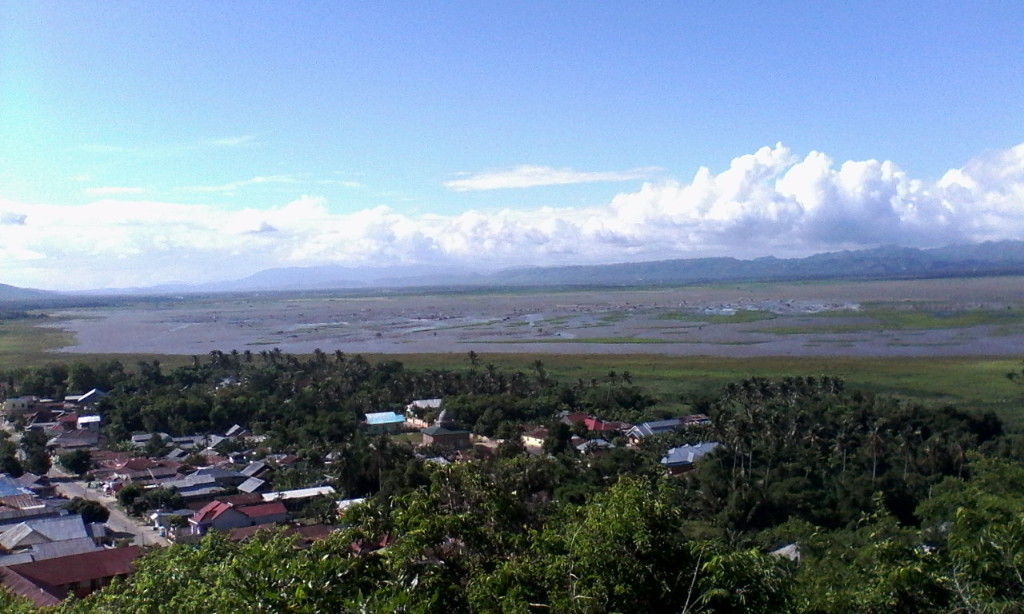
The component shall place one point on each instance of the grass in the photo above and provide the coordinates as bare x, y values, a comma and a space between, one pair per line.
25, 343
968, 382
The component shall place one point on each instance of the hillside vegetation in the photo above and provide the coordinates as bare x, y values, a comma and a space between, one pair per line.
891, 504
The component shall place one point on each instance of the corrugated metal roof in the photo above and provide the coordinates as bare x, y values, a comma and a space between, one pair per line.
262, 510
49, 529
685, 455
251, 485
80, 567
9, 487
41, 552
384, 417
656, 427
301, 493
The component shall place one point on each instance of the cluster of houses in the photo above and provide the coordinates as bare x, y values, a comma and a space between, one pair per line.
599, 433
71, 423
48, 553
443, 433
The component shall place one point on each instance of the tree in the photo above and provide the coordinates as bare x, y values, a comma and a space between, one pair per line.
130, 498
37, 461
90, 511
9, 462
12, 604
77, 461
155, 446
558, 438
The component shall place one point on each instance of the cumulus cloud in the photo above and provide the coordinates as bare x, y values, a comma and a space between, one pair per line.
532, 176
772, 201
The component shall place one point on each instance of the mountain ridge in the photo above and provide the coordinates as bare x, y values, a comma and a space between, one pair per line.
886, 262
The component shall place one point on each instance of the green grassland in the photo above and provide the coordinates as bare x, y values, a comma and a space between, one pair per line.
967, 382
25, 343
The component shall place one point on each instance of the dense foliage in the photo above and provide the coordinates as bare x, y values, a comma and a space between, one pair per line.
891, 506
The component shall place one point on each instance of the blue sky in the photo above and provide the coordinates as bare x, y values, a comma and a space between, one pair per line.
191, 141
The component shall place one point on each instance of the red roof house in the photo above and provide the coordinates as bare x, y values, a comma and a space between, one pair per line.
50, 581
226, 515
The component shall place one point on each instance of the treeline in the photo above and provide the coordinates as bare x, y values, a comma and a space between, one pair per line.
320, 399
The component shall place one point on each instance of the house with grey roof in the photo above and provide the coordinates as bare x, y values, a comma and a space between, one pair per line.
254, 485
594, 446
255, 469
81, 439
444, 433
46, 530
681, 458
644, 430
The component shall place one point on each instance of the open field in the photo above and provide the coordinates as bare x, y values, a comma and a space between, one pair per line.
967, 382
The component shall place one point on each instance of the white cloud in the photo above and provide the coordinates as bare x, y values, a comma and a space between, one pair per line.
235, 185
532, 176
772, 201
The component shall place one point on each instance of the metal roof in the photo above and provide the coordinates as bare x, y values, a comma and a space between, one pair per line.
301, 493
686, 455
384, 417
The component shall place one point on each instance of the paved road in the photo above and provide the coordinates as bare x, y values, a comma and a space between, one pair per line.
119, 522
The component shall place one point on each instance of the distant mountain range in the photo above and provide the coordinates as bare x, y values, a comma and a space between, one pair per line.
14, 293
990, 258
1002, 258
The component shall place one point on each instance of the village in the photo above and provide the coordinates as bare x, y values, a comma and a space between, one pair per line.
72, 529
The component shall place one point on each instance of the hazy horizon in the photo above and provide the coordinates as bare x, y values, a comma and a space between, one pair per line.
189, 142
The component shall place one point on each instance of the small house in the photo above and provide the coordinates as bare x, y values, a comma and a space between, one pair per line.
384, 422
681, 459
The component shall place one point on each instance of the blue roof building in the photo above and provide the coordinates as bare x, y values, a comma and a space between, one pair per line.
384, 422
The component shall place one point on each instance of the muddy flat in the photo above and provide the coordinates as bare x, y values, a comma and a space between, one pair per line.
948, 317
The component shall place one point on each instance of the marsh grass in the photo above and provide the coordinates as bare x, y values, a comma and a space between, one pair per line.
976, 383
26, 343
